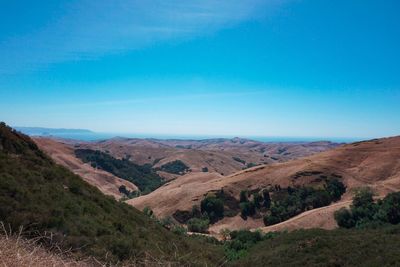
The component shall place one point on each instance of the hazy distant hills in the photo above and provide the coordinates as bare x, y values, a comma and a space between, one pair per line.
40, 131
224, 156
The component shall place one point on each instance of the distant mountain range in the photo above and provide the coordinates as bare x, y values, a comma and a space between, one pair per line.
51, 131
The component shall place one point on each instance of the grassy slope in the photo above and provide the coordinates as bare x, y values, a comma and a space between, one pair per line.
328, 248
144, 177
45, 197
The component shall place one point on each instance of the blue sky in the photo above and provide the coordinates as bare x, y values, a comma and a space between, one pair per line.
245, 68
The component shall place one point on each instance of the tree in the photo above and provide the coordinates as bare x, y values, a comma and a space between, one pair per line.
195, 213
214, 208
247, 209
257, 200
363, 198
267, 199
243, 196
335, 188
271, 220
391, 207
344, 218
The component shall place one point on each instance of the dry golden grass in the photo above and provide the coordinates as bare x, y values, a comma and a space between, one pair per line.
64, 155
18, 251
373, 163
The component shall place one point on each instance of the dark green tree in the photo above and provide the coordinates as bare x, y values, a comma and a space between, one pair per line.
244, 196
267, 199
214, 208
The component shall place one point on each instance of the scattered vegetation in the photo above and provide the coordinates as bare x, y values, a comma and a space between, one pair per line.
198, 225
249, 165
239, 160
213, 208
46, 198
342, 247
144, 177
288, 203
175, 167
128, 194
367, 213
241, 241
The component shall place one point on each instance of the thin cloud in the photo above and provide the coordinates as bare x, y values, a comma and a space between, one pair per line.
152, 100
94, 28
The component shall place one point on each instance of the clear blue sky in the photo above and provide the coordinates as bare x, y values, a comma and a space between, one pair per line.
202, 67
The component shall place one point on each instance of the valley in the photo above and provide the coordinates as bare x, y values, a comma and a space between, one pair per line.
200, 168
194, 208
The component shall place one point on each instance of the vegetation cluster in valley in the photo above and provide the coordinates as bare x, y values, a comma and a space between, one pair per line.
273, 204
143, 176
366, 212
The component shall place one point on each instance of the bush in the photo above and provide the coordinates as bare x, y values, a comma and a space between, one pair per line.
239, 160
391, 208
293, 201
363, 198
214, 208
257, 200
241, 241
175, 167
344, 218
365, 213
271, 220
247, 209
244, 196
267, 199
198, 225
335, 188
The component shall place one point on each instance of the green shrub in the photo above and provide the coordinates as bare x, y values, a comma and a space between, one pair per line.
366, 213
267, 199
335, 188
247, 209
239, 160
344, 218
198, 225
257, 200
293, 201
213, 207
244, 196
240, 242
175, 167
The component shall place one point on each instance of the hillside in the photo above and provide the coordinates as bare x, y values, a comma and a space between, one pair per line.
51, 202
224, 156
327, 248
372, 163
64, 155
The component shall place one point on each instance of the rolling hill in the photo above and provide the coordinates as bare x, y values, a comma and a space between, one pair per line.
64, 155
374, 163
61, 210
224, 156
